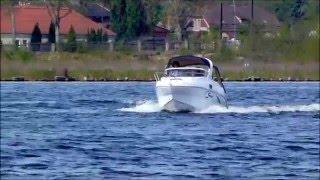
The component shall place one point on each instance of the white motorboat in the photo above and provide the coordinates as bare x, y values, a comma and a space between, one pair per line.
190, 83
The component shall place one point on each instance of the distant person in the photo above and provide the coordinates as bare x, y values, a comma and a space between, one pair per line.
175, 73
175, 64
65, 72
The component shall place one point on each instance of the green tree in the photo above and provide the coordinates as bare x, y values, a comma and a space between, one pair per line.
118, 17
157, 15
128, 18
105, 38
298, 10
177, 13
71, 40
36, 37
290, 11
154, 12
55, 11
51, 34
92, 36
136, 18
99, 36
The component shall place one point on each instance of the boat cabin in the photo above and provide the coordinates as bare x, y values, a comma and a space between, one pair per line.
192, 66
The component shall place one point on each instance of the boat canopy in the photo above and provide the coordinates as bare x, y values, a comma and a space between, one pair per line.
182, 61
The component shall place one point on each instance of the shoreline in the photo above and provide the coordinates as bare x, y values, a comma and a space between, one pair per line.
68, 81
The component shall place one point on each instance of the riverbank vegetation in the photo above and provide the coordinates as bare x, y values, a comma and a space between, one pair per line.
100, 65
289, 51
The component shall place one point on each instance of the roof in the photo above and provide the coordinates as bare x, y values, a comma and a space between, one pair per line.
191, 20
243, 11
28, 16
160, 29
189, 60
96, 10
204, 23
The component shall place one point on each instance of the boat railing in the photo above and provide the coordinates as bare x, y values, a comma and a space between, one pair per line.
218, 77
158, 75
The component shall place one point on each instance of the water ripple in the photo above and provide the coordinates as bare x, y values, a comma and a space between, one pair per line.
117, 131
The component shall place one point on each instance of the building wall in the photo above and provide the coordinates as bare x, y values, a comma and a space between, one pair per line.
24, 39
21, 39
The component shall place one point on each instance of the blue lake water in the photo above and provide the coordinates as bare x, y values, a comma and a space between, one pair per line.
116, 130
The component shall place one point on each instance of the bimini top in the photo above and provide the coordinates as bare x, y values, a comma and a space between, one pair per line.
182, 61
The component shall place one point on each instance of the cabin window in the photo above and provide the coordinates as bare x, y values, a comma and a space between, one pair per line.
185, 73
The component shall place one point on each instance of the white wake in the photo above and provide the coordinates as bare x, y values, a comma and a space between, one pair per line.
151, 106
262, 109
144, 107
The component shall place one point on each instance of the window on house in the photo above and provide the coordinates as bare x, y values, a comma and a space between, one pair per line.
24, 42
17, 42
191, 24
197, 23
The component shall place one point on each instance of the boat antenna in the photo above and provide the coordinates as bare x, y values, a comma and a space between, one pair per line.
234, 20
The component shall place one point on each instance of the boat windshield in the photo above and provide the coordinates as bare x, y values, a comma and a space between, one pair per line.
216, 76
186, 73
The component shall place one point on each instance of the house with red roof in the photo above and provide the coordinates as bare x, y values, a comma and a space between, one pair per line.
28, 15
240, 15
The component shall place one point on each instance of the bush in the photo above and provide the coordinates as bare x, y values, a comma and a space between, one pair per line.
185, 51
19, 54
82, 48
225, 53
40, 74
124, 47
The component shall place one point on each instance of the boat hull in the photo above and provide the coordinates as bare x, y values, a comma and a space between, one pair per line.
186, 98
